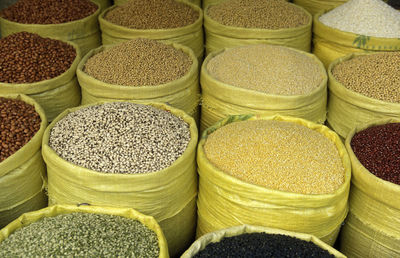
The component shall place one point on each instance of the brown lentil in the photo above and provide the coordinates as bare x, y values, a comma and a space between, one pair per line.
28, 58
377, 149
19, 122
376, 76
279, 155
271, 14
266, 68
152, 14
139, 62
48, 11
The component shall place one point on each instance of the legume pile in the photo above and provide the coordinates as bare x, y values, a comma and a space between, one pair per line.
48, 11
120, 137
82, 235
266, 68
139, 62
377, 149
365, 17
262, 245
19, 122
27, 58
278, 155
271, 14
376, 76
152, 14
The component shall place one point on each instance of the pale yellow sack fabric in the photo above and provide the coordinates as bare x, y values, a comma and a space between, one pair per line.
54, 95
346, 108
183, 93
220, 36
330, 44
317, 6
220, 99
190, 35
225, 201
31, 217
103, 4
373, 230
21, 174
217, 236
169, 195
84, 32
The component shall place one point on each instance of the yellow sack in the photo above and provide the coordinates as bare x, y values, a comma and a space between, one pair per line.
84, 32
168, 195
31, 217
220, 100
347, 108
330, 43
373, 230
226, 201
183, 93
54, 95
190, 35
103, 4
316, 6
21, 174
217, 236
220, 36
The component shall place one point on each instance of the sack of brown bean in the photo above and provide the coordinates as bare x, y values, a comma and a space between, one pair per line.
142, 70
244, 22
42, 68
317, 6
196, 2
262, 79
177, 21
257, 241
68, 20
372, 228
281, 172
363, 88
83, 231
123, 154
22, 170
356, 26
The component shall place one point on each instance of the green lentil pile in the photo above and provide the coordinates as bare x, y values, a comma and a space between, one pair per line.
276, 154
82, 235
271, 14
266, 68
152, 14
376, 76
139, 62
120, 137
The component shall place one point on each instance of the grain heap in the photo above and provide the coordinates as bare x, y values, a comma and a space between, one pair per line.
82, 234
366, 17
267, 68
48, 11
284, 156
376, 76
139, 62
27, 58
152, 14
262, 245
120, 137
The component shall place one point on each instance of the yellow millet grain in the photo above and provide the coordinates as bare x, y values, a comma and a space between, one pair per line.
276, 154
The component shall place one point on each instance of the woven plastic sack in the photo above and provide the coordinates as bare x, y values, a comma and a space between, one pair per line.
21, 174
84, 32
217, 236
183, 93
220, 36
220, 99
330, 43
226, 201
54, 95
346, 108
31, 217
190, 35
373, 230
316, 6
169, 195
